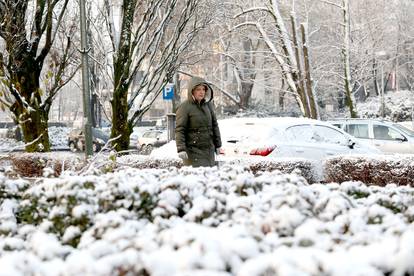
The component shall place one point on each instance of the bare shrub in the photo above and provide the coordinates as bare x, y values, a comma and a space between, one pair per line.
35, 164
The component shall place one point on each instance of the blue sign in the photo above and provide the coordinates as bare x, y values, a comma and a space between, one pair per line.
168, 92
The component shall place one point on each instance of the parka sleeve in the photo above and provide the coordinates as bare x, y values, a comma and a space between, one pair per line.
216, 130
181, 128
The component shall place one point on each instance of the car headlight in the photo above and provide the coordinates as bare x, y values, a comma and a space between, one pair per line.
100, 141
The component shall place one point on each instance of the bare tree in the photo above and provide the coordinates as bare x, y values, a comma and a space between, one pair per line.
30, 29
147, 48
282, 49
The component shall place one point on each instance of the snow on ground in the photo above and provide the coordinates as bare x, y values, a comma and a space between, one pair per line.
7, 144
203, 221
58, 138
168, 150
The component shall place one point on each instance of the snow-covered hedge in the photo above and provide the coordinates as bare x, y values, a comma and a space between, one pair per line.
299, 166
203, 221
376, 169
38, 164
256, 165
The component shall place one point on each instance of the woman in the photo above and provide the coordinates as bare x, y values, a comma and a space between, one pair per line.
197, 133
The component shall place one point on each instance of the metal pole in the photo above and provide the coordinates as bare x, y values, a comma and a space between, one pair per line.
170, 126
382, 92
87, 114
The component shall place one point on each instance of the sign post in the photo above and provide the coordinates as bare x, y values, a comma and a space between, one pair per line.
168, 95
168, 92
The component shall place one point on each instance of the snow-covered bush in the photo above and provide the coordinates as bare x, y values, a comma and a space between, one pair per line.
38, 164
302, 167
204, 221
398, 106
299, 166
376, 170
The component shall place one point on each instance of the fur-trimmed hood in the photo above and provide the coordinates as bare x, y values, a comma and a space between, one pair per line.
197, 81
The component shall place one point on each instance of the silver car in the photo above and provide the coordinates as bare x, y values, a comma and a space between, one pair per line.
152, 139
387, 136
287, 137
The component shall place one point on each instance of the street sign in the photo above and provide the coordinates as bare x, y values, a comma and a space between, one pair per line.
168, 92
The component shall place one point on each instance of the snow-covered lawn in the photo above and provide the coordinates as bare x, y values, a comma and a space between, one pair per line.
205, 221
58, 138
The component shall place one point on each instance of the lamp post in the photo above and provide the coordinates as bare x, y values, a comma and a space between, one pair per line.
87, 114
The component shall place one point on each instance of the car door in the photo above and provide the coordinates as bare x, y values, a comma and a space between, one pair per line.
390, 140
299, 142
329, 141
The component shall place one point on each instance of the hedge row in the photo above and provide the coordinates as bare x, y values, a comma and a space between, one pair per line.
39, 164
374, 169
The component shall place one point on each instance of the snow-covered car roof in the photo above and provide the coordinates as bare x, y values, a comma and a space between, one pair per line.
275, 121
237, 127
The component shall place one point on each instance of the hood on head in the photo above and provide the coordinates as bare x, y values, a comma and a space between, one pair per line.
199, 81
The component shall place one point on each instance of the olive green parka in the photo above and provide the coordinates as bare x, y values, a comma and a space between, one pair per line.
197, 131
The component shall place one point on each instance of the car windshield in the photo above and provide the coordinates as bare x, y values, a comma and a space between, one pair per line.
406, 131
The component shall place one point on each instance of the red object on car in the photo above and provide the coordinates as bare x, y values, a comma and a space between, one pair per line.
262, 151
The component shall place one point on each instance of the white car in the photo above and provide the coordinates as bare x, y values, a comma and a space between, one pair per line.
387, 136
287, 137
152, 139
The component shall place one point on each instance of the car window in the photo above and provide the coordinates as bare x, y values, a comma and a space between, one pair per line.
325, 134
149, 134
405, 130
358, 130
302, 133
385, 133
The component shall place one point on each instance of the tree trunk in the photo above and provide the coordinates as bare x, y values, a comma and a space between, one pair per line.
36, 128
33, 119
313, 105
375, 76
346, 57
120, 125
282, 101
298, 78
246, 94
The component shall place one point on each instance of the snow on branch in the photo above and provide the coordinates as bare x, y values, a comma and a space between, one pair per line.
333, 4
254, 9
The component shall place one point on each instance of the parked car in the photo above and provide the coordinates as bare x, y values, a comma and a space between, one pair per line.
287, 137
76, 139
151, 139
387, 136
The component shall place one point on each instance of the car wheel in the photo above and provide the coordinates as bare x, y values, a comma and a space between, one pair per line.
72, 147
95, 147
